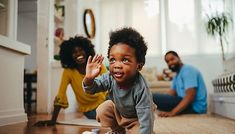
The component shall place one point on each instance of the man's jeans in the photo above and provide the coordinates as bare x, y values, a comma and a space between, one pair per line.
167, 102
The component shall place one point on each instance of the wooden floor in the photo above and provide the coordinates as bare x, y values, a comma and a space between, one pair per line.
28, 128
186, 124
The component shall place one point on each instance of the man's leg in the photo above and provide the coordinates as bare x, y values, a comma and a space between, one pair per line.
165, 102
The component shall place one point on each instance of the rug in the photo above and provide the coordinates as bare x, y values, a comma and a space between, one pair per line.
194, 124
80, 122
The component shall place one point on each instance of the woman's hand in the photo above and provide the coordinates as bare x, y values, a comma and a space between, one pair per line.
44, 123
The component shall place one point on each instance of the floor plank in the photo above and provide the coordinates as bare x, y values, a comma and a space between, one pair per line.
28, 128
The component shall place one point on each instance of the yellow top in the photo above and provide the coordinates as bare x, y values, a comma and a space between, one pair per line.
85, 101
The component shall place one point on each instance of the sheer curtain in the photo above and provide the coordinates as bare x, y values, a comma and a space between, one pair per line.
166, 24
181, 27
139, 14
185, 26
146, 19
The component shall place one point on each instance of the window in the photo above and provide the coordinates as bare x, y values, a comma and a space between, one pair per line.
166, 24
210, 7
140, 14
181, 27
146, 18
4, 15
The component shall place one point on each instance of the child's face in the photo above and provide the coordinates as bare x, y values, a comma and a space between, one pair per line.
79, 55
123, 63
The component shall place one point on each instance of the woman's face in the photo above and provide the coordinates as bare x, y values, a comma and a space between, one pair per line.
79, 55
123, 63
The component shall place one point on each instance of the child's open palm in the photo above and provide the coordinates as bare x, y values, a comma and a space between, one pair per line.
93, 67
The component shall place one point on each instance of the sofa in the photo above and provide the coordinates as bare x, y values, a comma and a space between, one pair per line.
155, 80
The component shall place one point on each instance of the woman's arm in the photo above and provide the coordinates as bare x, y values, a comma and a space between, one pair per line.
53, 118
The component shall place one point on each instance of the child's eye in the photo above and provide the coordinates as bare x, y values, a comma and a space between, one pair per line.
112, 60
125, 60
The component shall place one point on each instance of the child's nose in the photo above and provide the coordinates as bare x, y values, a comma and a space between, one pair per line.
117, 65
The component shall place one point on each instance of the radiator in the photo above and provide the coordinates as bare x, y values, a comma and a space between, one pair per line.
223, 99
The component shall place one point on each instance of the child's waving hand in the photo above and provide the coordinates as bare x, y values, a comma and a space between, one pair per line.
93, 68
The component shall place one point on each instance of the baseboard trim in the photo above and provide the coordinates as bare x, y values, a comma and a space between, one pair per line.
224, 106
15, 116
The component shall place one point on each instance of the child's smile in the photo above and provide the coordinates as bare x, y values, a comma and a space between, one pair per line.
118, 74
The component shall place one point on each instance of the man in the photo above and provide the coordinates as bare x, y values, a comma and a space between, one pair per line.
188, 93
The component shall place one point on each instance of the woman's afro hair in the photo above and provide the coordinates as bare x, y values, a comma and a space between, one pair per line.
67, 47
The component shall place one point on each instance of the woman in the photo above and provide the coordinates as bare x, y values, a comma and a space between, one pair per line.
74, 54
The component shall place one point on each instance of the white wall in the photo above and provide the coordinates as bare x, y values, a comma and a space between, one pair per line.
12, 69
27, 34
95, 7
27, 30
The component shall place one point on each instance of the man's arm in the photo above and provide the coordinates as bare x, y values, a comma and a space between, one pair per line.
172, 92
188, 99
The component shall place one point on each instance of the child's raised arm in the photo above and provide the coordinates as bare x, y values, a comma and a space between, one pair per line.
93, 69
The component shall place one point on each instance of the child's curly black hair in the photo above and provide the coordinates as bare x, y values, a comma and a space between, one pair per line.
132, 38
67, 47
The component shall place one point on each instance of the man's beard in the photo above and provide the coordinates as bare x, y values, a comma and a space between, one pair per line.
175, 68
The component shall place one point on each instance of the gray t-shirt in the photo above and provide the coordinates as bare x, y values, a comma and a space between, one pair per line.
135, 102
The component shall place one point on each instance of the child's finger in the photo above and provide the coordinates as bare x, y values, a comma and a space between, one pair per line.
102, 59
99, 59
94, 58
89, 59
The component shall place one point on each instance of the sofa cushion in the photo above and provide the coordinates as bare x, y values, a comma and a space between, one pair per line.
160, 84
149, 73
151, 76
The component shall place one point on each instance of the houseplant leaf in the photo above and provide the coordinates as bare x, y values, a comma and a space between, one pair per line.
217, 26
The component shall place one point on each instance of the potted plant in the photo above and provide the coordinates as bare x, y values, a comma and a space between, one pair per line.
217, 26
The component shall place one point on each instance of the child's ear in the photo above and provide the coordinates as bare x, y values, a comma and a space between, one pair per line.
140, 66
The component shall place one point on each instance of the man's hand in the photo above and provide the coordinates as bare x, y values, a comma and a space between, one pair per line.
93, 68
166, 114
44, 123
